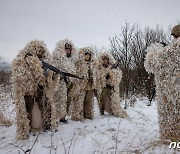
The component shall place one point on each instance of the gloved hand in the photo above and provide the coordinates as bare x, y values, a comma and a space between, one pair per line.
107, 76
109, 86
95, 92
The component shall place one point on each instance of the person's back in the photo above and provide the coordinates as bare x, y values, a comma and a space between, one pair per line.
165, 64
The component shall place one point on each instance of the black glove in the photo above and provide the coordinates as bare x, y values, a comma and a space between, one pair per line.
95, 92
109, 86
107, 76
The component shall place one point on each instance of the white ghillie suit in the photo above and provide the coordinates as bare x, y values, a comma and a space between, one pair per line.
164, 62
62, 91
32, 90
108, 88
84, 100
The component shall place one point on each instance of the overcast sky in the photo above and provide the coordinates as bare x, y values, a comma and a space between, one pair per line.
85, 22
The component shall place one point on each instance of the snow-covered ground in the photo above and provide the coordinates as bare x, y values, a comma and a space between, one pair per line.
105, 134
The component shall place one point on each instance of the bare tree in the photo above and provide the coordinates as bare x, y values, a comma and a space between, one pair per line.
121, 50
129, 48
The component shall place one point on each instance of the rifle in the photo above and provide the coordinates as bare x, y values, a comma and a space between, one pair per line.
154, 91
115, 65
54, 69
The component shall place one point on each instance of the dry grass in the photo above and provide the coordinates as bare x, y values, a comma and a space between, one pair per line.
5, 121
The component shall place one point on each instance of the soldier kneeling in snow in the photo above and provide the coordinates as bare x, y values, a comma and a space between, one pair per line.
164, 62
84, 101
107, 85
32, 90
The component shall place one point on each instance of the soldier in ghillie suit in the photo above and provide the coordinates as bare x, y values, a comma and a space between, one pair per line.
32, 90
84, 100
107, 85
164, 62
63, 58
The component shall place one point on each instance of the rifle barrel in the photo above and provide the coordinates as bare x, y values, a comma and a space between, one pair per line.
54, 69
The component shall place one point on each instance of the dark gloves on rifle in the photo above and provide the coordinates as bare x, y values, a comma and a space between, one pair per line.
109, 86
107, 76
95, 92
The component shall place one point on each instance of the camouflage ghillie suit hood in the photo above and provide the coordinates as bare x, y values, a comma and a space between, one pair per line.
63, 63
23, 65
59, 58
164, 62
27, 74
176, 31
114, 81
85, 70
